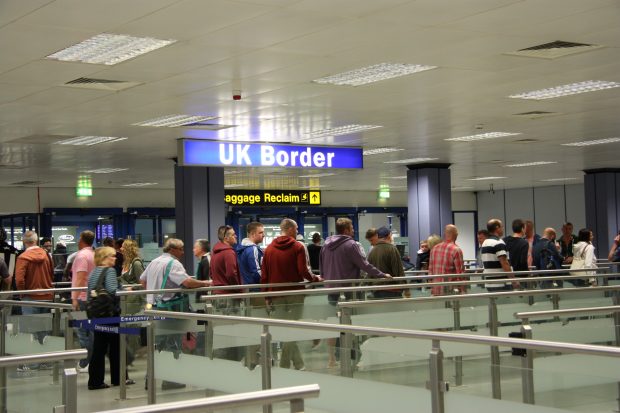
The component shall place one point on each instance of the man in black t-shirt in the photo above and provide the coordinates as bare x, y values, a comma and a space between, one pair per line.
314, 251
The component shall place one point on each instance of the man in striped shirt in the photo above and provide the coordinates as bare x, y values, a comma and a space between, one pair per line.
495, 257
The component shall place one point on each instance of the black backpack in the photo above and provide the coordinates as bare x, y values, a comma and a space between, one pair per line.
101, 304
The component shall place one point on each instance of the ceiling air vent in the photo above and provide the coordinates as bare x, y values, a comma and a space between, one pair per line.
526, 140
535, 114
100, 84
206, 125
555, 49
27, 183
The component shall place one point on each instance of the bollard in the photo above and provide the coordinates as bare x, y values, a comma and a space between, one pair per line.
436, 384
122, 353
150, 363
527, 367
458, 360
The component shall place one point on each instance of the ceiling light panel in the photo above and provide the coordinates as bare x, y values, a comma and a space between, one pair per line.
317, 175
413, 160
109, 49
538, 163
482, 136
234, 185
486, 178
139, 184
594, 142
342, 130
106, 170
90, 140
371, 74
378, 151
398, 177
313, 186
566, 90
557, 179
173, 121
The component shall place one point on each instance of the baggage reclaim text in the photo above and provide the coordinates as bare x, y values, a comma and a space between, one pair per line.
269, 198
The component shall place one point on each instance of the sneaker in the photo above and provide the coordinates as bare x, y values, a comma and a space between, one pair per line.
45, 366
170, 385
23, 368
82, 369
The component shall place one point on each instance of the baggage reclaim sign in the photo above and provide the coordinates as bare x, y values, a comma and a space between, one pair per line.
272, 198
194, 152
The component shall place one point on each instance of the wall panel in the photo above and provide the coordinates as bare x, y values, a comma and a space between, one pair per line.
490, 205
550, 208
519, 204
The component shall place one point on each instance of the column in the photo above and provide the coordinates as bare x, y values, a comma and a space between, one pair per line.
602, 196
199, 206
429, 201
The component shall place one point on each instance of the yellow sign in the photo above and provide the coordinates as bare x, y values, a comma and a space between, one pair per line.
315, 198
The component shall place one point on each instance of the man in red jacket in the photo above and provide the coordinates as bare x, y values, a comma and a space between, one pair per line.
285, 262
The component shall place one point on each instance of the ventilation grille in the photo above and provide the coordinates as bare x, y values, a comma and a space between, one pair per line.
100, 84
553, 50
27, 183
535, 114
526, 140
206, 126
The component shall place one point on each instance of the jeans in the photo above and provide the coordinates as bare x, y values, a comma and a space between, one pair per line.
86, 339
289, 308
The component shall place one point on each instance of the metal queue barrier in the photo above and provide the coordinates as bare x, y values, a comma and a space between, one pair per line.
437, 386
294, 395
526, 331
69, 378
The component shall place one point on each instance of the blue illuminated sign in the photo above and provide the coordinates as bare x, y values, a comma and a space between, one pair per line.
215, 153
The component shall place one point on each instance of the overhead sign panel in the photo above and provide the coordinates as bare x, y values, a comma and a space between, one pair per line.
272, 198
215, 153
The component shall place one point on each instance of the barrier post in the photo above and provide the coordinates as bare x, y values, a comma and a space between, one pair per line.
3, 381
458, 360
69, 390
209, 332
527, 367
56, 316
122, 353
150, 363
346, 344
495, 367
436, 384
265, 361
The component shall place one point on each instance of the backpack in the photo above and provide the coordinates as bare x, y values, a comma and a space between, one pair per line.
546, 261
101, 304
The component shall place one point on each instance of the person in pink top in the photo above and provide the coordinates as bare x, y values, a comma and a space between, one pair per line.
83, 264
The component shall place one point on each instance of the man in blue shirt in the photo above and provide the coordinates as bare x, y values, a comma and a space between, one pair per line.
249, 254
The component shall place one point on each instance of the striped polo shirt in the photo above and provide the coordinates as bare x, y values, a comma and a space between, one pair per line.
492, 249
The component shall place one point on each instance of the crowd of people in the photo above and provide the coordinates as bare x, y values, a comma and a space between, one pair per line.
287, 260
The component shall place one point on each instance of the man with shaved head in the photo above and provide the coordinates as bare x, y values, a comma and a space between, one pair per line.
446, 258
495, 258
547, 257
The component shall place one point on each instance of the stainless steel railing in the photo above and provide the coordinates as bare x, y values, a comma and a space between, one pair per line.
69, 378
294, 395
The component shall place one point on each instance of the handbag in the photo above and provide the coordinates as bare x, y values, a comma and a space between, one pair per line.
579, 263
180, 302
101, 304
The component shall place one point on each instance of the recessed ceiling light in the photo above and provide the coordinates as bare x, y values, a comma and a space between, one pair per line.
106, 170
594, 142
232, 172
371, 74
313, 186
109, 49
486, 178
342, 130
519, 165
455, 188
398, 177
173, 121
138, 184
413, 160
481, 136
566, 90
377, 151
317, 175
233, 185
89, 140
557, 179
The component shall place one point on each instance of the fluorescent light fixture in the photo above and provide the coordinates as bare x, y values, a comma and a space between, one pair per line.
566, 90
232, 172
173, 121
377, 151
371, 74
89, 140
318, 175
106, 170
314, 186
538, 163
594, 142
481, 136
109, 49
413, 160
455, 188
486, 178
398, 177
139, 184
342, 130
233, 185
557, 179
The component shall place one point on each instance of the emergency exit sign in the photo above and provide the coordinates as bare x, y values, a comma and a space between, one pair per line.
272, 198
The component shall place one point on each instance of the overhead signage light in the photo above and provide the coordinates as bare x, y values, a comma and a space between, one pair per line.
213, 153
271, 198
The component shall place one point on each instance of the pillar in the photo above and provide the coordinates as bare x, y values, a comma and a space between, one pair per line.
602, 196
429, 201
199, 206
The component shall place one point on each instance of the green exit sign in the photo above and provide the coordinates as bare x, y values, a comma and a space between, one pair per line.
84, 191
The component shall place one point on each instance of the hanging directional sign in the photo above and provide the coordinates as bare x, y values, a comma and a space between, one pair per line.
193, 152
272, 198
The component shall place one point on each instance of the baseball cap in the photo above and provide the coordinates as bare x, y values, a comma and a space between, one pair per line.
383, 232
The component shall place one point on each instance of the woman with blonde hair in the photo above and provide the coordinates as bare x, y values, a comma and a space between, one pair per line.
133, 267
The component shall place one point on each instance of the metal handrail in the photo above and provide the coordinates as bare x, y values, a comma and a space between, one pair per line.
46, 290
229, 401
353, 304
610, 309
8, 361
321, 291
393, 332
42, 304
